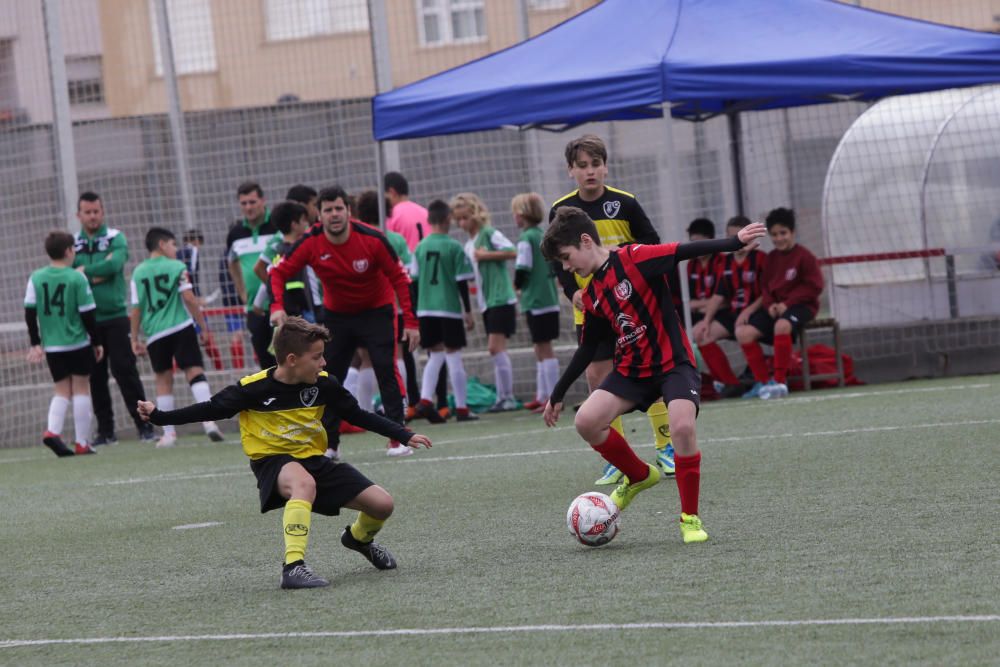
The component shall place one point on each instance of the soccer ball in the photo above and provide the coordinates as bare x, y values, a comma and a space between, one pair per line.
592, 519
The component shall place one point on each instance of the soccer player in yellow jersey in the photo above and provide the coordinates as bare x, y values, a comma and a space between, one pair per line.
620, 220
286, 413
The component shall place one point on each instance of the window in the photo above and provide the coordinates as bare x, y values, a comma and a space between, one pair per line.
548, 4
191, 34
449, 21
85, 81
295, 19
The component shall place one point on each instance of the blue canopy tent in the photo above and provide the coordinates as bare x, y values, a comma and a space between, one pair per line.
623, 59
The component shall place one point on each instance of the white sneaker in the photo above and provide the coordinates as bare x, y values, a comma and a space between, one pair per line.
399, 450
166, 440
213, 432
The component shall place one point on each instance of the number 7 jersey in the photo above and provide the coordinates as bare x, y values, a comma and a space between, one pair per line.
59, 295
157, 284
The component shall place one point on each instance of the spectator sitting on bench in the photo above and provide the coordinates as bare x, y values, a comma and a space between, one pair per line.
791, 285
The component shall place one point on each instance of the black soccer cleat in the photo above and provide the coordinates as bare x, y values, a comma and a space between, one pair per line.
105, 439
299, 575
427, 411
56, 444
376, 554
147, 433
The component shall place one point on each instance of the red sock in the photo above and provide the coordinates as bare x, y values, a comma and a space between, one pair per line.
615, 450
236, 352
718, 364
782, 356
688, 473
756, 361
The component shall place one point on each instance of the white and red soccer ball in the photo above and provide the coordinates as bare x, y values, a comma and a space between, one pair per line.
593, 519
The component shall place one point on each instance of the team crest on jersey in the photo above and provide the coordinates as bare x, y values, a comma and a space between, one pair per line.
102, 245
360, 265
748, 276
709, 281
790, 274
623, 290
611, 208
308, 396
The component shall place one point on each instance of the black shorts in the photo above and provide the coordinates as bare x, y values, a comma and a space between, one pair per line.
681, 381
543, 327
336, 483
605, 348
798, 315
727, 319
500, 320
72, 362
181, 346
399, 328
436, 330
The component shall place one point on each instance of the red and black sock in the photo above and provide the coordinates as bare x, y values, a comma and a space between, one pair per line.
616, 451
718, 364
782, 356
688, 473
755, 360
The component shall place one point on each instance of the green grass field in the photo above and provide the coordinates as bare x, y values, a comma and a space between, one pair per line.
856, 526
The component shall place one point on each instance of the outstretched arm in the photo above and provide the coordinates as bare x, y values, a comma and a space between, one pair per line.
223, 405
746, 237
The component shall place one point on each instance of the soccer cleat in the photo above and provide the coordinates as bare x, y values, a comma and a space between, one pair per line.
427, 411
213, 432
105, 439
411, 414
691, 529
465, 416
444, 412
166, 440
625, 493
532, 405
396, 449
299, 575
665, 460
147, 433
376, 554
754, 390
773, 390
611, 475
54, 442
81, 450
505, 405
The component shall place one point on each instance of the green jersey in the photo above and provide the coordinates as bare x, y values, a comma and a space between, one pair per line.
398, 243
157, 284
103, 258
493, 285
539, 295
244, 245
59, 294
441, 264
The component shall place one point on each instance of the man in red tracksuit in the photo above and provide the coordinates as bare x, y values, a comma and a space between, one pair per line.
362, 277
791, 283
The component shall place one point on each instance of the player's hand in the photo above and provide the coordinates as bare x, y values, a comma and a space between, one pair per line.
781, 308
205, 338
35, 354
98, 353
278, 318
138, 348
578, 299
145, 409
743, 318
82, 270
418, 440
699, 331
481, 254
551, 413
749, 234
772, 310
470, 322
412, 338
97, 280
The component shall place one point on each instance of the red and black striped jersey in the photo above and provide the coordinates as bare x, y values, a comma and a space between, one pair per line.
631, 293
742, 280
704, 277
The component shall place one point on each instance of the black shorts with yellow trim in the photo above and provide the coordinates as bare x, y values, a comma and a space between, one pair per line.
681, 381
336, 483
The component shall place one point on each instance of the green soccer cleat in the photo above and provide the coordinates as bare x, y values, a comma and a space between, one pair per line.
625, 493
665, 460
691, 529
611, 475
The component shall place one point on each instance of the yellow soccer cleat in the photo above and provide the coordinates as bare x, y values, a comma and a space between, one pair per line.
626, 492
691, 529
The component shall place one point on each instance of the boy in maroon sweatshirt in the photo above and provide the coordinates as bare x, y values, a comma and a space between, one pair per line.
792, 282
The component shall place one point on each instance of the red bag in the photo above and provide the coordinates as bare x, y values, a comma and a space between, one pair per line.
822, 360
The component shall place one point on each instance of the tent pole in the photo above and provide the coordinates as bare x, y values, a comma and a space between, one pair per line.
736, 157
673, 225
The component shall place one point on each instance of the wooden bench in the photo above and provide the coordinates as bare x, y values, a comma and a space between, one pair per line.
820, 324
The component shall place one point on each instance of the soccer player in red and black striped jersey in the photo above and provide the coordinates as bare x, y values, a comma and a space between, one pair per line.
738, 297
362, 278
629, 299
705, 272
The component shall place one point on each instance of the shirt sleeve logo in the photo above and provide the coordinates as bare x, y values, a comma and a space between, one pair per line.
308, 396
611, 208
360, 265
623, 290
790, 274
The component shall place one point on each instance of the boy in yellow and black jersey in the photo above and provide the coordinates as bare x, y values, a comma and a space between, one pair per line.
620, 220
287, 413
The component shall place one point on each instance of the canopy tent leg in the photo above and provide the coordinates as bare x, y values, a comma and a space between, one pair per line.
736, 158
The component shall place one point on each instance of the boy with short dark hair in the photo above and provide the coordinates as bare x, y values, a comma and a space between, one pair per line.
629, 302
791, 284
442, 271
292, 221
59, 310
704, 272
286, 414
160, 291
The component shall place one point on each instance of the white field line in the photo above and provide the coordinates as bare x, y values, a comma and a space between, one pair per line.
510, 629
191, 526
581, 449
